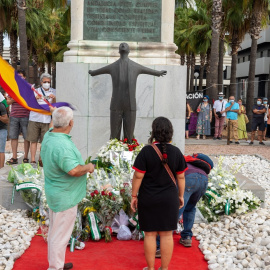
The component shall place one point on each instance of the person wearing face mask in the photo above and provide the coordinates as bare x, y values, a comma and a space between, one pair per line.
266, 116
232, 109
204, 118
242, 126
258, 121
39, 123
220, 114
268, 123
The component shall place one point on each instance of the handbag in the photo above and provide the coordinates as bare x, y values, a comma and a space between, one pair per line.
246, 118
165, 165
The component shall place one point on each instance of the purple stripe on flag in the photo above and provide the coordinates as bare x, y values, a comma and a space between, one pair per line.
57, 105
27, 93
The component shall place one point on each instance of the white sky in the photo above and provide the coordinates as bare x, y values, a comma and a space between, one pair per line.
6, 41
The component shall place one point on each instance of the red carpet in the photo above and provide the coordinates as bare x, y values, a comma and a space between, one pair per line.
117, 255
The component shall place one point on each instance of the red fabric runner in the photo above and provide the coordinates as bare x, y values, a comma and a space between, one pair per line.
116, 255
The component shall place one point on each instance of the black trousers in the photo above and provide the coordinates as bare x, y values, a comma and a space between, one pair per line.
125, 117
268, 131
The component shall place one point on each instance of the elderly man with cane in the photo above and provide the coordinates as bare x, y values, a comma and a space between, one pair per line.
65, 184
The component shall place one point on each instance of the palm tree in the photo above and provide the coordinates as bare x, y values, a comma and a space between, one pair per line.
5, 20
183, 39
236, 24
258, 18
21, 5
37, 24
192, 32
201, 32
216, 23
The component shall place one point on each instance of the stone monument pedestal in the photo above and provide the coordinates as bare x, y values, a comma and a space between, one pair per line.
147, 26
91, 96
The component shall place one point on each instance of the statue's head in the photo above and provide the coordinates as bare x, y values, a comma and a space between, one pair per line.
123, 48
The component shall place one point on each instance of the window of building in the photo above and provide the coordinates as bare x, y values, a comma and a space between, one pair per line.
249, 57
261, 54
268, 53
244, 59
239, 60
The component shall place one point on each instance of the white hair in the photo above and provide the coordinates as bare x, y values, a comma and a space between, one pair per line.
62, 116
45, 75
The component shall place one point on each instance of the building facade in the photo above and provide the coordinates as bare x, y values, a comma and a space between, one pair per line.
262, 66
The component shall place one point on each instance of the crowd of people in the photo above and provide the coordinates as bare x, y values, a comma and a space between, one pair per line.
230, 114
16, 120
166, 184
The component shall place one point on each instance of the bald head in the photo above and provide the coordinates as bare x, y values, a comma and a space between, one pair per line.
123, 48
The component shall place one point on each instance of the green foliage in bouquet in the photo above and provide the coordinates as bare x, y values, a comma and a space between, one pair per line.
24, 169
31, 197
224, 195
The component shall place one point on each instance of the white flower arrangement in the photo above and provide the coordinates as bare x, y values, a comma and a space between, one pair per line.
224, 195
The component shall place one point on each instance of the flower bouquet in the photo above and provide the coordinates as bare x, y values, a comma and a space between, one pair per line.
42, 222
27, 181
224, 195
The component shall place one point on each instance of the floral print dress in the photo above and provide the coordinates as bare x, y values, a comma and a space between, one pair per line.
203, 122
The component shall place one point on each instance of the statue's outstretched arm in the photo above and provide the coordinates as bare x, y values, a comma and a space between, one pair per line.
103, 70
150, 71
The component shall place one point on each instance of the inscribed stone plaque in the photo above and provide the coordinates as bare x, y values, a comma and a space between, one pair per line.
122, 20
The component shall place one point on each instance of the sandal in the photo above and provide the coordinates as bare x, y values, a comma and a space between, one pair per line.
12, 161
33, 162
40, 163
25, 160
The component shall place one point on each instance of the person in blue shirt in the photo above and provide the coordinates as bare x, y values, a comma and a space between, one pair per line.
258, 121
232, 109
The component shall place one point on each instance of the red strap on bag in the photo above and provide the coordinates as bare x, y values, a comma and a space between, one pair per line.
165, 165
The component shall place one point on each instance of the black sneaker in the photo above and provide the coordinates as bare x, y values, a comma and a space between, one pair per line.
237, 142
68, 266
158, 253
261, 143
219, 138
251, 143
214, 138
231, 141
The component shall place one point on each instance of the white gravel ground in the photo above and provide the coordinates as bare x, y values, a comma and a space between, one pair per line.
16, 232
240, 242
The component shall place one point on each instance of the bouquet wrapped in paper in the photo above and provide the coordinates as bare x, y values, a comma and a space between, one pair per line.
120, 226
76, 233
27, 181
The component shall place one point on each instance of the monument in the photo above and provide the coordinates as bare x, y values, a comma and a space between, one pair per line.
124, 73
97, 29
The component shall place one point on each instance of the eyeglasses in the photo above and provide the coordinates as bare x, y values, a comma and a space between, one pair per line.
46, 82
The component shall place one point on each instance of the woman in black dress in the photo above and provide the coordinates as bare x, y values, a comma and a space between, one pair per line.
155, 193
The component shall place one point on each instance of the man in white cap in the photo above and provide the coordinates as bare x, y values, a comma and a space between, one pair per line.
220, 115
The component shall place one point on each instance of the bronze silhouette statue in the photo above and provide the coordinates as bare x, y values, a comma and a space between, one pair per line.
124, 73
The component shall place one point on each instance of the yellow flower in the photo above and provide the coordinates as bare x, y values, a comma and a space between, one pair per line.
88, 210
43, 222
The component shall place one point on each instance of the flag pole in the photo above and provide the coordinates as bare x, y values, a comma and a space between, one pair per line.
33, 88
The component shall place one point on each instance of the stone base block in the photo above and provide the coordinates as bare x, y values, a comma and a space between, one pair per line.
156, 96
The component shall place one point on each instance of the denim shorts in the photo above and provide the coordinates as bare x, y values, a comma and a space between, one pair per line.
17, 125
3, 139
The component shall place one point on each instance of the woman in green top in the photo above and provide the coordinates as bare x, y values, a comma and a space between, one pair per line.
242, 128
